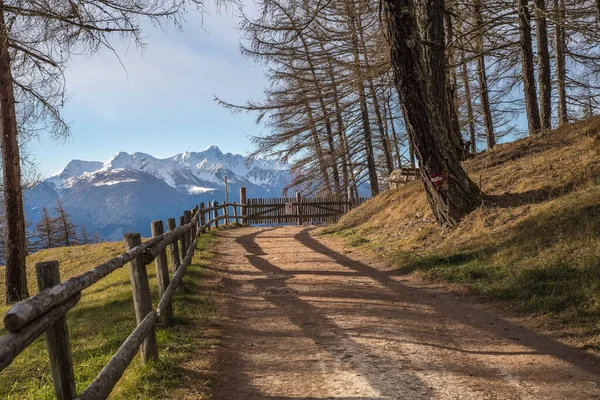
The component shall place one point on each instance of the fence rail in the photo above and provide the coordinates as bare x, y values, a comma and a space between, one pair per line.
46, 311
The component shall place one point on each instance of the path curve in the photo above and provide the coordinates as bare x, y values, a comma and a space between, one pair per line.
307, 319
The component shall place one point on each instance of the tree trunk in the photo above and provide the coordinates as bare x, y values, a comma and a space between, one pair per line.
411, 148
544, 74
373, 181
465, 78
318, 149
431, 26
390, 120
364, 111
531, 104
411, 145
333, 159
383, 137
340, 127
16, 274
450, 192
330, 141
486, 110
561, 71
464, 72
451, 103
382, 134
484, 96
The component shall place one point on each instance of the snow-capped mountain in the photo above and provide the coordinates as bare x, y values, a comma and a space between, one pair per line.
128, 191
189, 172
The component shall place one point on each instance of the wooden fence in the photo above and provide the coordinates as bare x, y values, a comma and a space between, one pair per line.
46, 311
298, 209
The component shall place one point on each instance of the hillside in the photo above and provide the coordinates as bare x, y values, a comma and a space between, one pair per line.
103, 319
534, 244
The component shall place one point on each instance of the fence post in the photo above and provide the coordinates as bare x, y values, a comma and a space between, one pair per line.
173, 249
226, 209
142, 301
197, 224
235, 214
182, 244
216, 213
299, 201
243, 210
57, 338
162, 273
202, 216
187, 216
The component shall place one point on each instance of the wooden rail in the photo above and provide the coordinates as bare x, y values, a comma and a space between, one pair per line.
46, 311
299, 209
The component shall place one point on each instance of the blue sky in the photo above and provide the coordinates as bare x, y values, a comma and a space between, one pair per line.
162, 102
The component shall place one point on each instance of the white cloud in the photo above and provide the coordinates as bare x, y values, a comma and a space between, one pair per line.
176, 69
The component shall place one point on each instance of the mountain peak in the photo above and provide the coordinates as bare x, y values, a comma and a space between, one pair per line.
121, 155
76, 168
213, 149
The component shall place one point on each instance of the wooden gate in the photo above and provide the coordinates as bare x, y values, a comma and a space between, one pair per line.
287, 210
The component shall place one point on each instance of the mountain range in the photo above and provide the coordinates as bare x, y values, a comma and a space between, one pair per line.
128, 191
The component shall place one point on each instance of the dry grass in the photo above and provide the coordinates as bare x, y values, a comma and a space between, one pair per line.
534, 243
104, 317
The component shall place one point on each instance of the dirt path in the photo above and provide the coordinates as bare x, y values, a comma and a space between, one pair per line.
307, 319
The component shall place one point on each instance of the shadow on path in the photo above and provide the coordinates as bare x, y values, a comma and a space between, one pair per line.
346, 321
478, 317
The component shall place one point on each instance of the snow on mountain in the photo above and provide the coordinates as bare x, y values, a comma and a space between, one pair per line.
188, 172
129, 190
265, 177
73, 169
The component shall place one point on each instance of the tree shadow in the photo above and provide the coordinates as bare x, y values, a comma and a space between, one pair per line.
311, 324
534, 196
478, 317
316, 309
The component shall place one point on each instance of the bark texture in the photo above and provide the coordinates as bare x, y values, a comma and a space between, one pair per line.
450, 192
16, 276
531, 103
486, 109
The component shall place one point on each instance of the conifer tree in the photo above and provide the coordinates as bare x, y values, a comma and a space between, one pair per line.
84, 236
66, 230
45, 231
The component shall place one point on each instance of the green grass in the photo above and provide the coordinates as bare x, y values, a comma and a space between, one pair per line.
104, 318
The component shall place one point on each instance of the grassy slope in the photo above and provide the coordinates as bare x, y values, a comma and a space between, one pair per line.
102, 320
534, 244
